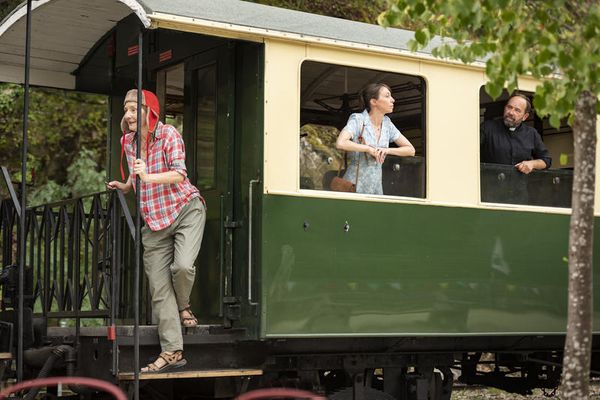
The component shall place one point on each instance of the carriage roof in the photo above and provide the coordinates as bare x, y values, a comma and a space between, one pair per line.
64, 31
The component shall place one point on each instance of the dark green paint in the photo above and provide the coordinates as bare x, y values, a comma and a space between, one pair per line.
222, 263
406, 269
248, 166
213, 260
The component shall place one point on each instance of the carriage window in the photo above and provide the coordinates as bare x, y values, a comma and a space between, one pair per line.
206, 128
500, 151
330, 95
169, 89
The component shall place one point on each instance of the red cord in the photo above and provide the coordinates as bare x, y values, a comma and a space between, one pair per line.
279, 393
66, 380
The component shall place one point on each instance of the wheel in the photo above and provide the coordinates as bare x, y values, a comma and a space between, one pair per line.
370, 394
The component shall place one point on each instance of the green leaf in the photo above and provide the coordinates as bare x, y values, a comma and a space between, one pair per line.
590, 31
511, 87
413, 45
389, 18
539, 100
508, 16
541, 15
478, 49
419, 9
422, 37
544, 40
544, 56
545, 70
564, 60
555, 121
494, 90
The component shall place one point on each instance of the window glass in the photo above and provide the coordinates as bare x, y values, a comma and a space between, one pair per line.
169, 88
330, 94
501, 181
206, 129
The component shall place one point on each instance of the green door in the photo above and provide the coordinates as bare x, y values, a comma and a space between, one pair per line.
209, 104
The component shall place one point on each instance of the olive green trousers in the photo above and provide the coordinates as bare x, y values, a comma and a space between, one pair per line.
169, 256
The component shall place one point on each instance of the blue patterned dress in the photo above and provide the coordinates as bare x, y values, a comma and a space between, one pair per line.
370, 172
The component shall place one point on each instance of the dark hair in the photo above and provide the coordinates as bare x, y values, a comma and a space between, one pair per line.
522, 96
371, 91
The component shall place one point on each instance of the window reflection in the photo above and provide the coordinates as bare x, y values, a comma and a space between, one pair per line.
320, 160
169, 88
206, 129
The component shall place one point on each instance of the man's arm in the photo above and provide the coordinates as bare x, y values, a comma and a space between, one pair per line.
541, 157
529, 165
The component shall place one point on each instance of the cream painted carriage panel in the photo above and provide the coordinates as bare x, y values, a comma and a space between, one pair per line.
452, 133
363, 59
527, 84
282, 115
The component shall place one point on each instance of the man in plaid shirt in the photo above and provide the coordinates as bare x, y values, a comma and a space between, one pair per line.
174, 214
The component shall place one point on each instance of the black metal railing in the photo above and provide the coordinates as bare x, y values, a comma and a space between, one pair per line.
78, 252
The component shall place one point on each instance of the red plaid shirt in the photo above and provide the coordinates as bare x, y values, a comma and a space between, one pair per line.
162, 203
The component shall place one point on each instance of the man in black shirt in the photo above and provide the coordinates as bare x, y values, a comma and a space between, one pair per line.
509, 141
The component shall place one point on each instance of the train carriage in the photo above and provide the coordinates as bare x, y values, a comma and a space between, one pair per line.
298, 285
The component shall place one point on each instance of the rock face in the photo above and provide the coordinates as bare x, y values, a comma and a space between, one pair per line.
318, 155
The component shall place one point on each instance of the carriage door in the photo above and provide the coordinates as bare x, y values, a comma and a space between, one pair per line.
210, 79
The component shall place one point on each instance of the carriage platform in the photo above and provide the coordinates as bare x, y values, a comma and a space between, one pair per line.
208, 351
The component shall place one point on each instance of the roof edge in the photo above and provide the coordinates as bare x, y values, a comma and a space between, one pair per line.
225, 29
139, 10
21, 11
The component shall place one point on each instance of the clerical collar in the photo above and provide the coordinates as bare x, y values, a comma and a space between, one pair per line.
512, 128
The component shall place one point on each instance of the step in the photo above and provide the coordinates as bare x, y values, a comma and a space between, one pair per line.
216, 373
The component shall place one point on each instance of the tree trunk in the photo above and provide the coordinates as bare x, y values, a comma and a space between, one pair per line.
578, 344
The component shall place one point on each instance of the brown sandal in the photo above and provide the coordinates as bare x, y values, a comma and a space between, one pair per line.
165, 362
190, 321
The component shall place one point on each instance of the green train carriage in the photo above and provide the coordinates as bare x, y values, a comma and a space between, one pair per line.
296, 284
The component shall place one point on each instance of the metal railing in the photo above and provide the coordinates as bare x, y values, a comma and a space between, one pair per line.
78, 252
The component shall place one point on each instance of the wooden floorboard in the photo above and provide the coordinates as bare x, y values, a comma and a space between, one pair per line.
128, 376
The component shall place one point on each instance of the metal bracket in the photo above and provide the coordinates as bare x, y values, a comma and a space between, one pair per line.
232, 224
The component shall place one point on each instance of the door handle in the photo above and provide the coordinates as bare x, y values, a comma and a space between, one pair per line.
250, 197
222, 282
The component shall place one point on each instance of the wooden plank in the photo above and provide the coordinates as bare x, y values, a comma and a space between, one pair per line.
6, 356
128, 376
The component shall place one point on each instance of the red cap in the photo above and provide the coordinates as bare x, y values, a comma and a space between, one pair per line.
149, 100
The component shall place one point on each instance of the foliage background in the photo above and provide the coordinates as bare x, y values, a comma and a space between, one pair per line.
66, 141
356, 10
